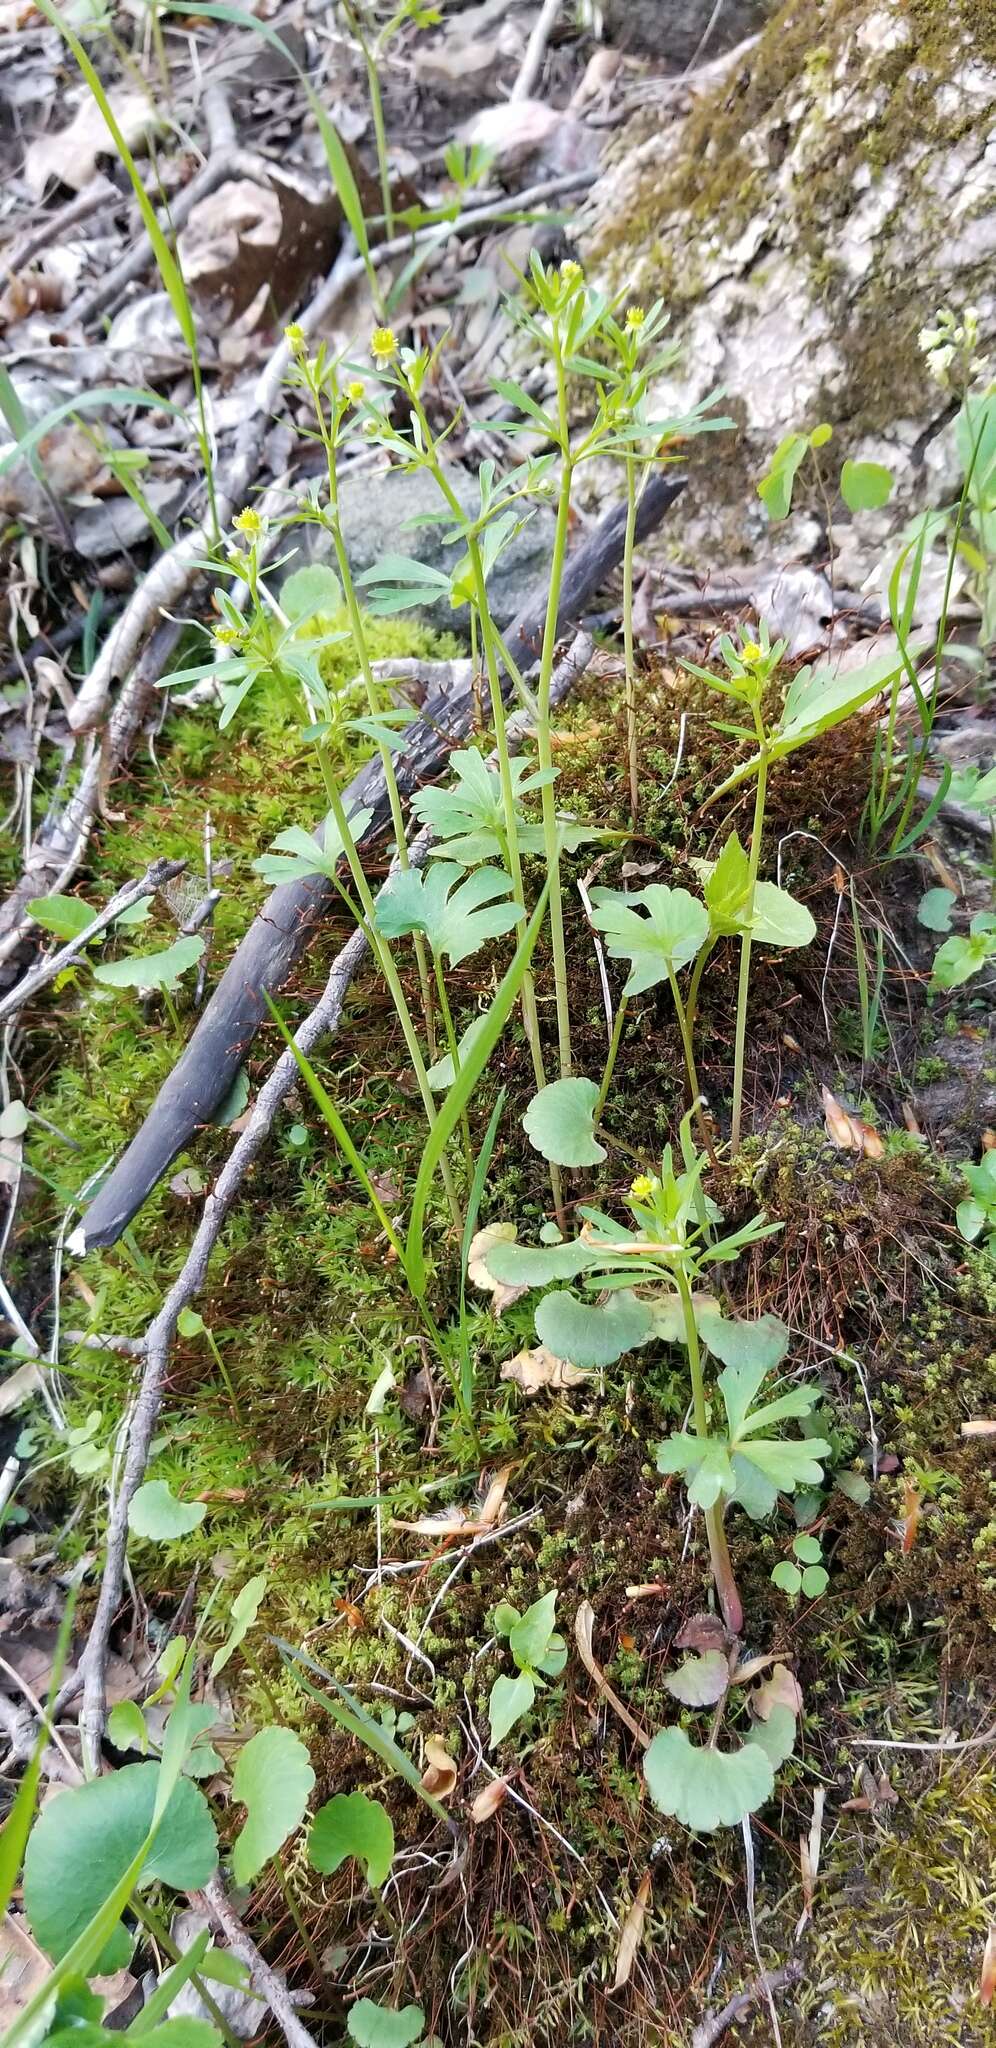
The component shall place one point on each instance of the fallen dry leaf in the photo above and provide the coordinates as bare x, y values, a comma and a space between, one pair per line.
583, 1626
464, 1522
596, 83
647, 1592
809, 1858
980, 1425
632, 1934
536, 1369
488, 1801
912, 1509
848, 1131
502, 1296
71, 154
987, 1978
701, 1632
440, 1774
782, 1689
945, 874
874, 1792
19, 1386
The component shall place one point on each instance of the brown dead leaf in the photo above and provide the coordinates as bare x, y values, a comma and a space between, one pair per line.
910, 1120
440, 1774
632, 1934
583, 1627
502, 1296
987, 1977
461, 1521
648, 1592
19, 1386
596, 83
809, 1859
539, 1368
988, 1140
782, 1689
701, 1632
874, 1792
70, 155
912, 1509
980, 1425
945, 874
848, 1131
489, 1800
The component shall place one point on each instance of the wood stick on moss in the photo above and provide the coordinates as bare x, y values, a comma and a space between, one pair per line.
264, 1979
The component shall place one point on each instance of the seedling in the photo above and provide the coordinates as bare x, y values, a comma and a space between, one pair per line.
538, 1654
977, 1213
804, 1572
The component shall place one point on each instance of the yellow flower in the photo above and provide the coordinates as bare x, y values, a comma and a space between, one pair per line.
383, 344
356, 391
750, 651
643, 1187
635, 317
570, 272
295, 337
227, 636
248, 522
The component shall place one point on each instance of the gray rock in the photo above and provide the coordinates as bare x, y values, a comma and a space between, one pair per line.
680, 32
376, 511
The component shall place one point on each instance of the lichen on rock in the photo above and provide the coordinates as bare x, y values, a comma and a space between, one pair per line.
805, 219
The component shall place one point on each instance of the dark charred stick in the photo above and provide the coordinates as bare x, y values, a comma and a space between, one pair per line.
277, 938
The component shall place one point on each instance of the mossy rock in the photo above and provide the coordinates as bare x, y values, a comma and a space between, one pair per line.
804, 221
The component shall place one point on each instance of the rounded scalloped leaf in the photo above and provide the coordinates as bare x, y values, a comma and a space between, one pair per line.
587, 1335
352, 1824
274, 1780
84, 1840
700, 1681
559, 1123
156, 1513
761, 1344
865, 486
706, 1788
383, 2026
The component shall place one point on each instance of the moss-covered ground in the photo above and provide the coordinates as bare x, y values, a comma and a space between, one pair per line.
515, 1944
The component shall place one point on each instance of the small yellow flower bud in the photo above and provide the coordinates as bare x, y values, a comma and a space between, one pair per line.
356, 392
248, 521
226, 636
643, 1187
570, 272
750, 652
295, 337
635, 317
383, 344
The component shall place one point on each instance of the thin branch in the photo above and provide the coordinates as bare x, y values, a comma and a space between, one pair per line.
156, 875
532, 62
265, 1980
712, 2029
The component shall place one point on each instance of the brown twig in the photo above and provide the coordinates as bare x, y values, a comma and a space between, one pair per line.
156, 875
265, 1980
715, 2026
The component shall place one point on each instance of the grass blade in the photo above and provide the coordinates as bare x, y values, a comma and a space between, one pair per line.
349, 1714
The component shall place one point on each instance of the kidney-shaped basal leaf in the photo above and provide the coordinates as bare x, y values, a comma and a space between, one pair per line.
274, 1780
383, 2026
352, 1824
156, 1513
457, 913
245, 1607
510, 1699
700, 1681
529, 1265
586, 1334
706, 1788
775, 1736
84, 1840
759, 1346
66, 916
560, 1122
151, 970
657, 930
864, 486
313, 591
779, 920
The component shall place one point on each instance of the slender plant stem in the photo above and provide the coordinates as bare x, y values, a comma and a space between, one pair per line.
385, 961
628, 652
160, 1934
451, 1041
380, 139
690, 1068
223, 1369
174, 1015
295, 1912
692, 1004
743, 984
551, 837
610, 1061
722, 1567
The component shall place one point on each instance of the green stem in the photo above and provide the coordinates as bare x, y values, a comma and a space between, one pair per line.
174, 1014
609, 1068
380, 139
385, 961
294, 1910
551, 837
743, 983
151, 1921
223, 1369
722, 1567
387, 1916
451, 1041
692, 1005
628, 546
690, 1069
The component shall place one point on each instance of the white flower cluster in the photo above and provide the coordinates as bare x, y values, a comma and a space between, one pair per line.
953, 341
